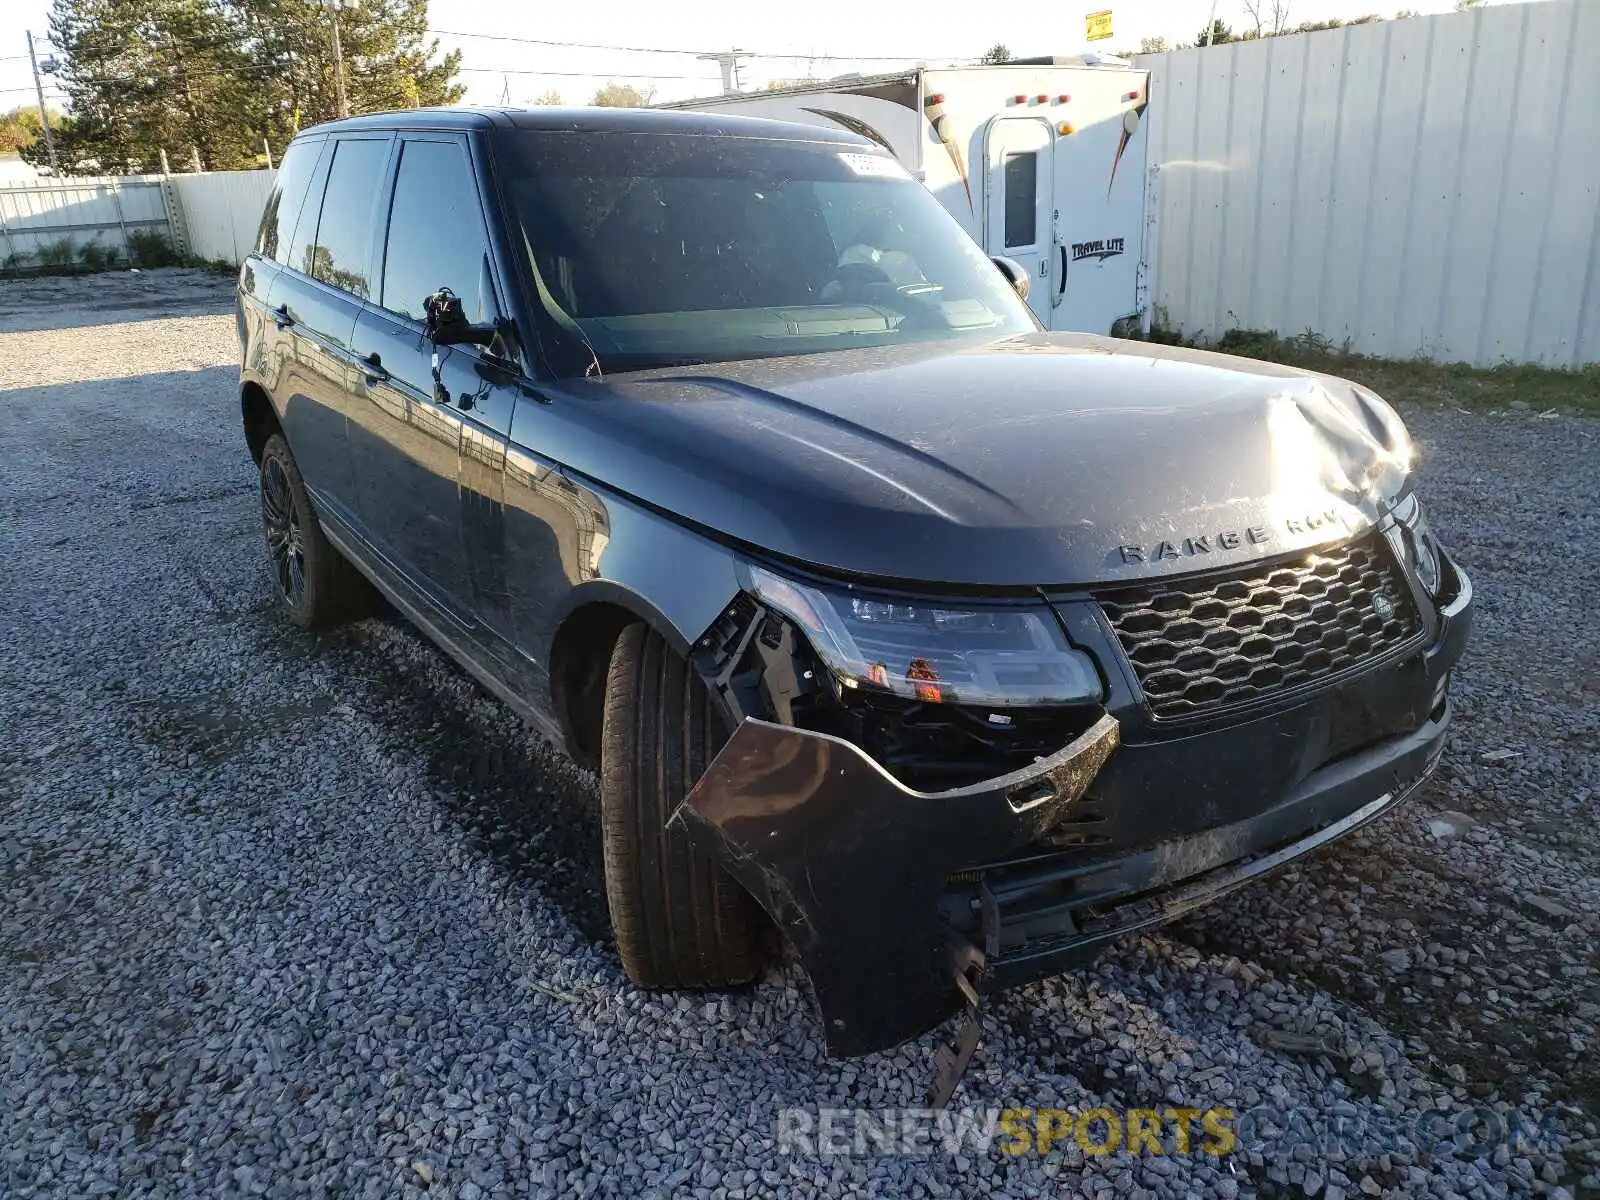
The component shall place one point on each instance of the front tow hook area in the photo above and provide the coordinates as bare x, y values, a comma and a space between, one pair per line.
849, 863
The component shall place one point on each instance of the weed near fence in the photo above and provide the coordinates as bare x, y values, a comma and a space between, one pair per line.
1510, 386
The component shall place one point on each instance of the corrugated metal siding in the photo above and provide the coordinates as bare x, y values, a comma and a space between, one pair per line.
1427, 186
222, 211
219, 210
40, 213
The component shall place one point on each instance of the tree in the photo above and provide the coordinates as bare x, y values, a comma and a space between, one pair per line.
623, 95
211, 78
995, 55
20, 127
1216, 35
549, 96
1268, 17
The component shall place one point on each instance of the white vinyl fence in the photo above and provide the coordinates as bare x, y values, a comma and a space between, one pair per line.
1425, 186
52, 223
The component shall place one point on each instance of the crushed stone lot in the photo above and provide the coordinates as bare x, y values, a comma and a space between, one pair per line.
282, 913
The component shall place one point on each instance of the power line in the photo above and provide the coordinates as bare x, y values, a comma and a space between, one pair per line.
502, 37
579, 74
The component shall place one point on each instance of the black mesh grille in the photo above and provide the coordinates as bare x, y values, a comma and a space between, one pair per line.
1202, 645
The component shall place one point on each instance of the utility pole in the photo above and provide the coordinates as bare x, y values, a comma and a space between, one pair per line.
339, 96
729, 62
44, 115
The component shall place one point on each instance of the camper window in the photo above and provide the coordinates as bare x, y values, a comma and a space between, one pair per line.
1022, 189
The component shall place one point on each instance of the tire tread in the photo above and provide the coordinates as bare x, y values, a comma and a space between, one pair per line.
680, 921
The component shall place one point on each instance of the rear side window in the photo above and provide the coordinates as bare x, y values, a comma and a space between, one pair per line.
1022, 191
288, 196
436, 234
344, 233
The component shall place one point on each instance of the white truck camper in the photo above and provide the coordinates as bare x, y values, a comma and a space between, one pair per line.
1041, 160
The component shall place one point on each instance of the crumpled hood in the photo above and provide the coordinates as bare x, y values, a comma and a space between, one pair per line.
1048, 459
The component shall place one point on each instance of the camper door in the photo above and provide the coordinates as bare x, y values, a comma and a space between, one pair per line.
1019, 219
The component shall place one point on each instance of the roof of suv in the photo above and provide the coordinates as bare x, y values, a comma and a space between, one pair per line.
596, 120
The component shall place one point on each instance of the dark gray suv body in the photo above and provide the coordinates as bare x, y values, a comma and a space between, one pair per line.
944, 647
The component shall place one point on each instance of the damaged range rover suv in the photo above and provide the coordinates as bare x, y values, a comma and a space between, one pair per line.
946, 647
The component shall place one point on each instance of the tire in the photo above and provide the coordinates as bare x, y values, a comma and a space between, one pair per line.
318, 586
680, 920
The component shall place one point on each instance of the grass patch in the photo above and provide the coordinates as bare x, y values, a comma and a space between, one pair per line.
1515, 386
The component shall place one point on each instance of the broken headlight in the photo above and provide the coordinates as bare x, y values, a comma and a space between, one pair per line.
1417, 544
935, 652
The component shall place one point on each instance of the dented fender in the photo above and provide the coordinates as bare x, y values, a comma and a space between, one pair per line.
849, 863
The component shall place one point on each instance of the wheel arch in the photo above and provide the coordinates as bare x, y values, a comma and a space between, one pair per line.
580, 655
259, 417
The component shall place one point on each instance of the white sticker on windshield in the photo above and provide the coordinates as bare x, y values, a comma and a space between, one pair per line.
880, 166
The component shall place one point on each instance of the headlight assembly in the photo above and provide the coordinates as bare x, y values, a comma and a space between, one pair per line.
938, 653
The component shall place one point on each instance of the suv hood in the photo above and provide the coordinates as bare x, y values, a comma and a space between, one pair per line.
1042, 460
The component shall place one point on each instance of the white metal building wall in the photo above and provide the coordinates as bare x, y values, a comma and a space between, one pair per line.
222, 211
1423, 187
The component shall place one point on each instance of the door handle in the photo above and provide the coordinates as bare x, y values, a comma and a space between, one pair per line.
1061, 288
372, 367
282, 317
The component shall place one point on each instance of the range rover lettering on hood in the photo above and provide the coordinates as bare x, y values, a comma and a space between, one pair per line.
1330, 522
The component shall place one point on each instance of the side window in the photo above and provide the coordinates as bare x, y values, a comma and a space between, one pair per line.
1022, 195
436, 236
294, 247
288, 196
344, 233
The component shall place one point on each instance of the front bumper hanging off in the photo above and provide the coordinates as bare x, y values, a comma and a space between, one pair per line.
850, 863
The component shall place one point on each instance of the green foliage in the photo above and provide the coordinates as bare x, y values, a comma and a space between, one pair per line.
21, 127
96, 257
56, 255
148, 248
1418, 380
996, 54
1219, 33
212, 78
623, 95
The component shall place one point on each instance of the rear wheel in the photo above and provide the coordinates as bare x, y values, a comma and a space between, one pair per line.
316, 583
679, 919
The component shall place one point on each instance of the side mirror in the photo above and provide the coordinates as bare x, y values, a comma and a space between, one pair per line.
447, 325
1015, 275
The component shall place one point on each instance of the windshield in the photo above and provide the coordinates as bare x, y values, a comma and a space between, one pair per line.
665, 249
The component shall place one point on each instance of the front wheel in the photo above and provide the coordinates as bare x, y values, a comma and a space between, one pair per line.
317, 585
680, 920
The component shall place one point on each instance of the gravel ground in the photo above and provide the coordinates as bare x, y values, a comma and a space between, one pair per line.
287, 913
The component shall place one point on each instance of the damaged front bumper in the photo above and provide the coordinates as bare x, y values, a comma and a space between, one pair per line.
850, 864
890, 897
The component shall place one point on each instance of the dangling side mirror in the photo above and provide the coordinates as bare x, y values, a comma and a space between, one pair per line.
447, 324
1015, 275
